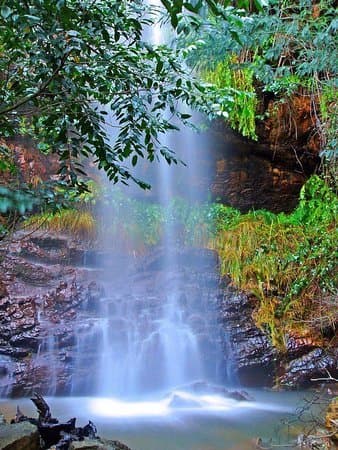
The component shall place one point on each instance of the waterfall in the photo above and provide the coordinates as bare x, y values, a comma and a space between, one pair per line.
152, 335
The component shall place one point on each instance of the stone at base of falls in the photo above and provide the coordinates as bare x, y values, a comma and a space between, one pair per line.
19, 436
177, 401
203, 387
98, 444
318, 364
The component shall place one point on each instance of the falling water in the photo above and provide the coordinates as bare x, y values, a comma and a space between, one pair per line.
155, 334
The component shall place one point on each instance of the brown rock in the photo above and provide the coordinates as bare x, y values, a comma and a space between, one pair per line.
3, 290
19, 436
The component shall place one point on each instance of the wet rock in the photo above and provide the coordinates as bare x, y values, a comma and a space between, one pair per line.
43, 326
14, 351
3, 370
29, 272
298, 345
47, 242
98, 444
240, 396
247, 349
301, 372
180, 401
50, 250
19, 436
29, 339
4, 303
3, 290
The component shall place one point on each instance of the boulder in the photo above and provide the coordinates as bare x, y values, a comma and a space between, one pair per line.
179, 401
301, 372
19, 436
203, 387
98, 444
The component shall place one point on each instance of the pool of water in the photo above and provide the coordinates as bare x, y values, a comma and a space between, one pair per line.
180, 421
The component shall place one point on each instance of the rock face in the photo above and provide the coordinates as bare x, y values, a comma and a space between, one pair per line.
54, 322
55, 315
268, 173
38, 306
253, 358
19, 436
255, 362
317, 364
265, 174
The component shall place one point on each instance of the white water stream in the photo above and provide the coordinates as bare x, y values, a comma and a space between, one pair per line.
148, 342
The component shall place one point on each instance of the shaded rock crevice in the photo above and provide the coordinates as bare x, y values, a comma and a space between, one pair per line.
268, 173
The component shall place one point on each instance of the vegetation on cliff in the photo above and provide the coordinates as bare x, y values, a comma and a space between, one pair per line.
270, 57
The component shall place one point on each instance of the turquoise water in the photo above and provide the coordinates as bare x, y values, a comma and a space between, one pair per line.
209, 423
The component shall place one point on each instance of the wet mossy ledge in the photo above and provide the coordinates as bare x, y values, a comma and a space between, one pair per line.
284, 263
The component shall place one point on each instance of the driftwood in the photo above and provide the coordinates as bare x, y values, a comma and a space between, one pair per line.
53, 432
19, 416
60, 434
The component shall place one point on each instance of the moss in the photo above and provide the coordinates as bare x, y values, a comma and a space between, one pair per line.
287, 261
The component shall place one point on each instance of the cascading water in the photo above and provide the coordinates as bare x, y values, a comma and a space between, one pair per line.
156, 329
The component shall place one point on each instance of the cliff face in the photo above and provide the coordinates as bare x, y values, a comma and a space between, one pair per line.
256, 362
268, 173
56, 311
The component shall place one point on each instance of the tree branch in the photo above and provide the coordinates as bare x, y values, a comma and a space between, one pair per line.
38, 92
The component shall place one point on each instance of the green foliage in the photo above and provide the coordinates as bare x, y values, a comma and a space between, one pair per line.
72, 71
79, 223
287, 261
318, 204
6, 161
290, 47
240, 80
